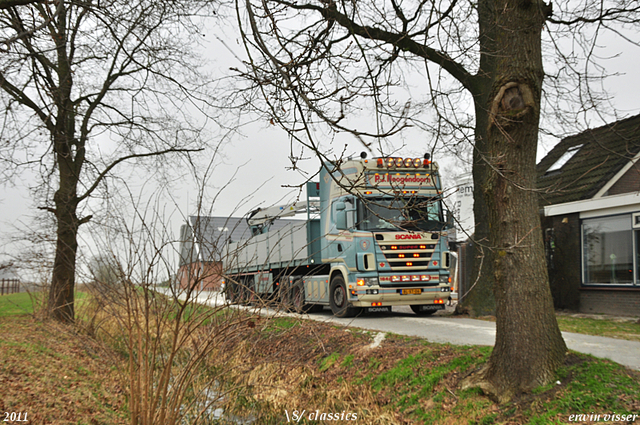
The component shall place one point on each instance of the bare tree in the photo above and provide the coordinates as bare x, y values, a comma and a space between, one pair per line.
87, 86
319, 62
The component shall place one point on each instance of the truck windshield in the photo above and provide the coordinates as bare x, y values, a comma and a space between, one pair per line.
414, 213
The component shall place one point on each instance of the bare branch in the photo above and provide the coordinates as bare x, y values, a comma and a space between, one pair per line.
106, 171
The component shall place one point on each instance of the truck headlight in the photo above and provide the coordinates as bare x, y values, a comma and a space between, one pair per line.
444, 278
367, 281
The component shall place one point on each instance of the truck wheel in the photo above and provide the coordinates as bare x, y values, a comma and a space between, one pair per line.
339, 299
297, 299
251, 295
283, 299
421, 311
243, 290
231, 292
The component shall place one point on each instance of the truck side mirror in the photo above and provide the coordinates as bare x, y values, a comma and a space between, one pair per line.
341, 216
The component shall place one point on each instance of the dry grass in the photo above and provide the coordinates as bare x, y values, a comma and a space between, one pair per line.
177, 364
301, 366
57, 376
264, 369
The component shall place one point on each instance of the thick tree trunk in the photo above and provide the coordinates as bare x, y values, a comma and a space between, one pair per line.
529, 346
61, 293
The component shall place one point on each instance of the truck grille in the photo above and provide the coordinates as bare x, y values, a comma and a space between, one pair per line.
403, 255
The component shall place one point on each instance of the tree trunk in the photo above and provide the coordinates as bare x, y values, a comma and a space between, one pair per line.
69, 154
61, 296
529, 346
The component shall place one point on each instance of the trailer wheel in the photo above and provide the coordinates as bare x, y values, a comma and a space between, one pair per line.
243, 291
231, 292
421, 311
339, 299
251, 295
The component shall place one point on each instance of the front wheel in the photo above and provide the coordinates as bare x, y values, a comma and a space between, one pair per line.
422, 310
339, 299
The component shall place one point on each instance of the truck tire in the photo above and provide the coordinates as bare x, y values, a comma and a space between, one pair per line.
250, 291
243, 290
339, 299
231, 292
297, 299
283, 299
418, 310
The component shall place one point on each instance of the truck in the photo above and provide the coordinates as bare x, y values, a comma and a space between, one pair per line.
372, 234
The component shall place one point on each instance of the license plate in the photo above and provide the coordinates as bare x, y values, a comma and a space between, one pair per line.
416, 291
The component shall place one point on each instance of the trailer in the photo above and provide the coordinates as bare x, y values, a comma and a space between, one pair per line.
372, 233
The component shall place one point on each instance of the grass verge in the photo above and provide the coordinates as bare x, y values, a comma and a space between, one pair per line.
620, 328
284, 367
54, 376
612, 328
308, 368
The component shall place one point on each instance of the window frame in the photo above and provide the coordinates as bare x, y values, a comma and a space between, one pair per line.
635, 249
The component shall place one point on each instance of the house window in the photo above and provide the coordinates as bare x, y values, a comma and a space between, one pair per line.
564, 159
609, 249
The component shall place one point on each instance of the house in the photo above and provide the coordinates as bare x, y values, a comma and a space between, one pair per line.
202, 248
590, 197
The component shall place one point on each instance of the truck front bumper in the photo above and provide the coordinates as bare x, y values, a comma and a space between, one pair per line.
376, 296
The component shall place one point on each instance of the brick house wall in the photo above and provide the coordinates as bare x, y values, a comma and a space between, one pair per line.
202, 276
628, 183
615, 301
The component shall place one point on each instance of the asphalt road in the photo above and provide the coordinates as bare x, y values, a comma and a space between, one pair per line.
455, 330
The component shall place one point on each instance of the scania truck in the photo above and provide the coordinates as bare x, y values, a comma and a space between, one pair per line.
373, 234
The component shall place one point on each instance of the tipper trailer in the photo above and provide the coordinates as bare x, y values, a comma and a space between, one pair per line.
374, 235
